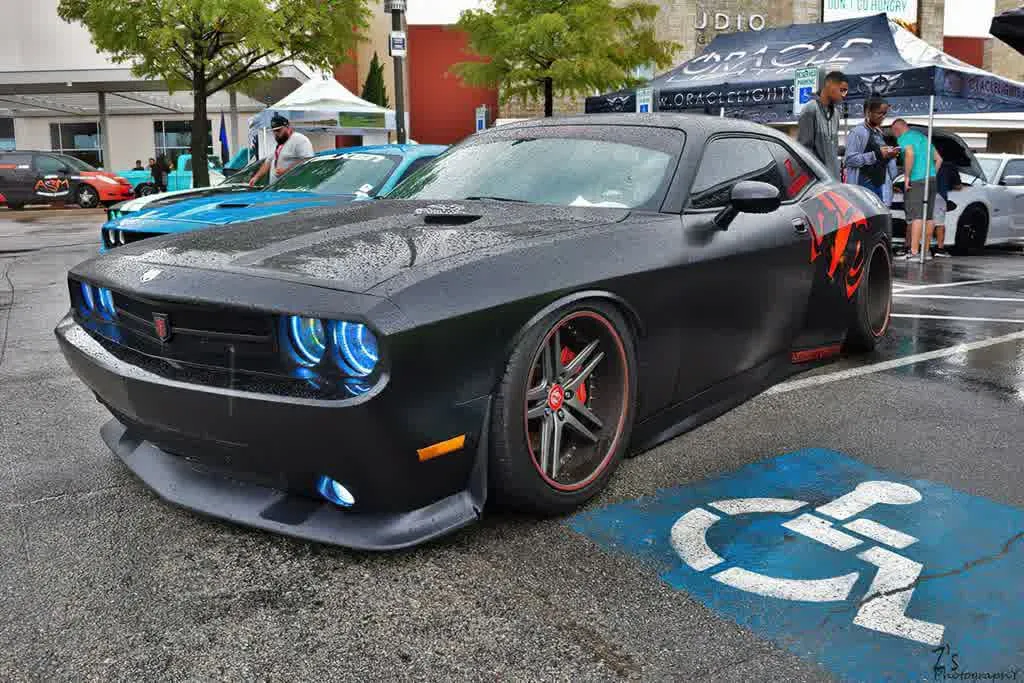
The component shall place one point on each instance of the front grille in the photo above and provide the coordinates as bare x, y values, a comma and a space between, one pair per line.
116, 238
217, 346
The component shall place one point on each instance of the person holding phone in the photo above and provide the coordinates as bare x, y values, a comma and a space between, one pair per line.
869, 161
916, 170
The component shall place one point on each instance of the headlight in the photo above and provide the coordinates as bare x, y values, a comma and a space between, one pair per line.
357, 347
308, 339
120, 236
351, 346
88, 298
106, 298
113, 214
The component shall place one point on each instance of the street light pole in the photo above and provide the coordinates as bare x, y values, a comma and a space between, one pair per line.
397, 8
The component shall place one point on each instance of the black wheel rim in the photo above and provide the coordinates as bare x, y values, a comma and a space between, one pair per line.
576, 400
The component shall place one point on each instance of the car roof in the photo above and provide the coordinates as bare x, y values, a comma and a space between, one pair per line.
998, 155
413, 151
690, 123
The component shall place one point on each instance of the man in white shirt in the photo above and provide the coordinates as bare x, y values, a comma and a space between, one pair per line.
292, 149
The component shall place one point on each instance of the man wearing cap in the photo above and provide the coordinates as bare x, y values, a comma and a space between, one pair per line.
292, 149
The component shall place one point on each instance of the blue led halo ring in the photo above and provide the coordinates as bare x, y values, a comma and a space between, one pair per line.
356, 347
308, 339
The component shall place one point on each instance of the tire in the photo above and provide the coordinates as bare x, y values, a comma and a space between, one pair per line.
872, 304
971, 229
87, 197
523, 475
146, 189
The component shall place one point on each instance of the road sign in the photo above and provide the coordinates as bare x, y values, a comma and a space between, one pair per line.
397, 44
481, 117
805, 83
645, 100
869, 573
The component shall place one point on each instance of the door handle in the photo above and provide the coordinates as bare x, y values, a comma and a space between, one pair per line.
800, 225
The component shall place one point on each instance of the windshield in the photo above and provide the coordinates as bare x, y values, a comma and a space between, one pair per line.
77, 164
247, 172
990, 166
556, 171
350, 173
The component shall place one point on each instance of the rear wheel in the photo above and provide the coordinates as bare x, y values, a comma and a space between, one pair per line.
971, 229
564, 411
872, 304
87, 197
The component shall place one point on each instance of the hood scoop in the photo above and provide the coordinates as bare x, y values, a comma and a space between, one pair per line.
234, 205
446, 214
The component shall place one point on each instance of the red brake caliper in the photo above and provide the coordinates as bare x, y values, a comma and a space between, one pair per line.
567, 356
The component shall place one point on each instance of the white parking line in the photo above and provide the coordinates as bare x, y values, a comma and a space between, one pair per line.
1005, 299
963, 318
907, 287
806, 382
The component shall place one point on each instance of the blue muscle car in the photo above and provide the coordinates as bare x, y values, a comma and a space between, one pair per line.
329, 179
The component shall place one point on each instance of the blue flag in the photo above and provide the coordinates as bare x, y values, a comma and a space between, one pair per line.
225, 154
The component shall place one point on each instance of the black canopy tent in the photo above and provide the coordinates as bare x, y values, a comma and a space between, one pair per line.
1009, 28
750, 75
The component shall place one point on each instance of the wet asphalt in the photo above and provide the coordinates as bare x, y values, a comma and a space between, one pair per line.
100, 580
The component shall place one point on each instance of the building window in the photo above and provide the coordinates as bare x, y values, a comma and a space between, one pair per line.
174, 138
7, 134
79, 140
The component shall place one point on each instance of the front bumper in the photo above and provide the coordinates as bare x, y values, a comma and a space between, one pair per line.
114, 193
253, 458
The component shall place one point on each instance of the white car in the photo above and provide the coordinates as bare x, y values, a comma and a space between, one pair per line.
989, 207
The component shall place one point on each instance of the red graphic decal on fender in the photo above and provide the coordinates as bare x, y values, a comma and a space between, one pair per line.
837, 230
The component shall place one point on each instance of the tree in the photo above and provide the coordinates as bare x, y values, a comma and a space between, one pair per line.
211, 45
374, 89
534, 48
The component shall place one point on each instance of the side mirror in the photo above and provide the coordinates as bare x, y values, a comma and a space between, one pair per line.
1012, 180
749, 196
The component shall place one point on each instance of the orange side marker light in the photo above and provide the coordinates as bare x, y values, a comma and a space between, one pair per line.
442, 448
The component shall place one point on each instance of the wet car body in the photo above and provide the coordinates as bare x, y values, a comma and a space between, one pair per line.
719, 303
233, 203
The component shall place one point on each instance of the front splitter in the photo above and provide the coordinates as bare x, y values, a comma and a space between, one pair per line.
218, 495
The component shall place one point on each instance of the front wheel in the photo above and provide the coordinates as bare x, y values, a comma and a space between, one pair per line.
564, 411
872, 303
87, 197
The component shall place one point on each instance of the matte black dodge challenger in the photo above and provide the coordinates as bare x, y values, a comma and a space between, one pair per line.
511, 321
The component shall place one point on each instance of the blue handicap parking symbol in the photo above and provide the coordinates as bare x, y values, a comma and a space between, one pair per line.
872, 575
805, 95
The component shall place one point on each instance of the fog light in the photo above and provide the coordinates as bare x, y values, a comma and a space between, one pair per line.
335, 492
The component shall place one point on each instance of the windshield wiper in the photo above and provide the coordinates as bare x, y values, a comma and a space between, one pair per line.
497, 199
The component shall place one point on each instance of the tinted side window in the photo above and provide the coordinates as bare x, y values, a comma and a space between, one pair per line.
48, 164
726, 162
1015, 167
795, 173
415, 166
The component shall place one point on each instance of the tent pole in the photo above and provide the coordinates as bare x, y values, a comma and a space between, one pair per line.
721, 112
927, 175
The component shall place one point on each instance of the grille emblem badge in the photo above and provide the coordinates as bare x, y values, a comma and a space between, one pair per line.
162, 325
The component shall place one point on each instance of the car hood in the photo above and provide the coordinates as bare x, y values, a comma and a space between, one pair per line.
163, 198
359, 247
190, 213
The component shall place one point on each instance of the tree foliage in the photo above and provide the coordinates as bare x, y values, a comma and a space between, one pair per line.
374, 89
209, 45
535, 48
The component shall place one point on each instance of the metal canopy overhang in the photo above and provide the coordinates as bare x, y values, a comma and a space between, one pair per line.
74, 92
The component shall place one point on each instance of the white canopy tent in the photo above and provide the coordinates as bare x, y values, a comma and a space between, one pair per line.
326, 106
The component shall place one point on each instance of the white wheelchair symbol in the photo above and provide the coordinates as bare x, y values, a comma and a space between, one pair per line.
883, 607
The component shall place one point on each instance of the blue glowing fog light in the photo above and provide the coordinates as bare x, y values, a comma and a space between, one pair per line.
106, 298
357, 346
308, 339
335, 492
88, 297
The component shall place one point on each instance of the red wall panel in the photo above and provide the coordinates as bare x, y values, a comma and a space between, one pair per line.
970, 50
441, 107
